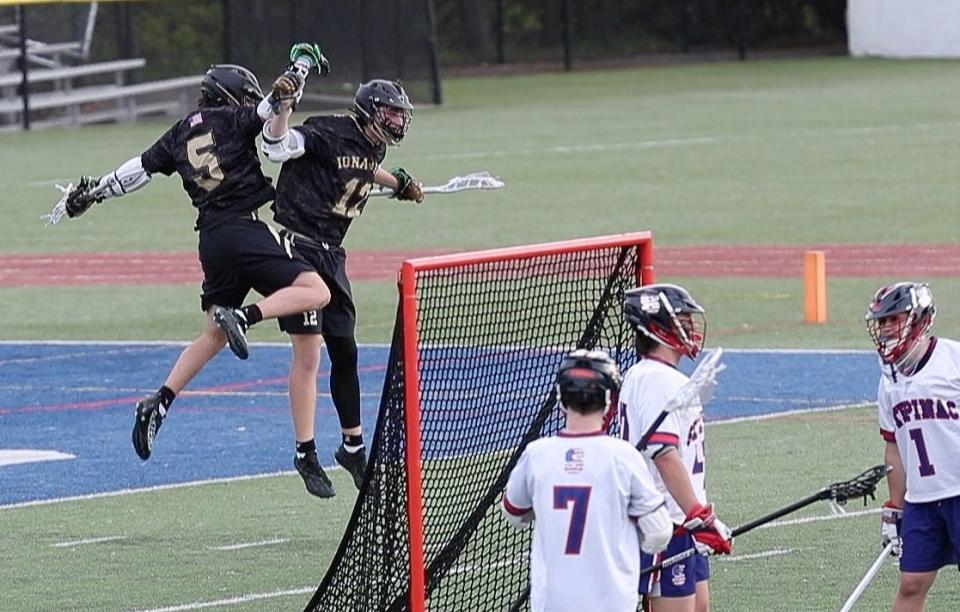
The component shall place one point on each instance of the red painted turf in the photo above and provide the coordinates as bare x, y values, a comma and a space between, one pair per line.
174, 267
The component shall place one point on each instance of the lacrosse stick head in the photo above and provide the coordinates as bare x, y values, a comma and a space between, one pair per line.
699, 389
668, 315
385, 108
60, 208
587, 380
864, 485
475, 180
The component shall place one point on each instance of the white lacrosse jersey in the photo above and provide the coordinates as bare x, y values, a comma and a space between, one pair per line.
585, 490
647, 387
921, 413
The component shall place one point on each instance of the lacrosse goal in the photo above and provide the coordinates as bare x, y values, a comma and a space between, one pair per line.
476, 345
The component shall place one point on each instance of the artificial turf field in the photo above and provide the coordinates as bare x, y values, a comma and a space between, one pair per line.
794, 152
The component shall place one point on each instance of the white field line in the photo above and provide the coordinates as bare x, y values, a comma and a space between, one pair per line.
638, 144
88, 541
199, 605
251, 544
817, 519
757, 555
785, 413
145, 391
135, 343
712, 139
178, 485
17, 456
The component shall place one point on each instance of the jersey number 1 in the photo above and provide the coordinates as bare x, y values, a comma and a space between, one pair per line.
926, 468
579, 496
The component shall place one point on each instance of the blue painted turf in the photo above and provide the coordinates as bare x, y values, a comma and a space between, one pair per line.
234, 419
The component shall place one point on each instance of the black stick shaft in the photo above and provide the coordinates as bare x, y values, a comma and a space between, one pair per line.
642, 444
766, 518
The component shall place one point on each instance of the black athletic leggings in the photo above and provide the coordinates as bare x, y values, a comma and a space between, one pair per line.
344, 379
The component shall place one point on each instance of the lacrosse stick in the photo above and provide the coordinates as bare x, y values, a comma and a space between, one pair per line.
862, 485
60, 210
477, 180
868, 578
699, 387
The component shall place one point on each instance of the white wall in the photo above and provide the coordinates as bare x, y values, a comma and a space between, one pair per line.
904, 28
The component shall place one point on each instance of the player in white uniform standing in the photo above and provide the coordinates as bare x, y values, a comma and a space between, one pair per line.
919, 405
669, 326
593, 499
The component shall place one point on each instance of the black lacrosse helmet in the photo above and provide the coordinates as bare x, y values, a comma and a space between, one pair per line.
669, 315
897, 346
369, 103
587, 379
229, 85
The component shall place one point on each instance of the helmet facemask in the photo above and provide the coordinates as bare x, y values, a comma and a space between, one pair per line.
898, 320
391, 123
668, 315
385, 108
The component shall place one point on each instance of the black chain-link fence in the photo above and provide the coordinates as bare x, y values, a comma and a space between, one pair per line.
409, 39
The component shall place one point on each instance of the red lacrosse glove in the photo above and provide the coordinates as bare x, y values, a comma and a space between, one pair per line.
708, 530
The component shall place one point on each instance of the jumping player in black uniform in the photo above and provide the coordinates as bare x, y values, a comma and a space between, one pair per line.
330, 164
214, 151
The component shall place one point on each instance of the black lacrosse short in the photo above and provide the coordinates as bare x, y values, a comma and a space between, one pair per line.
339, 318
242, 254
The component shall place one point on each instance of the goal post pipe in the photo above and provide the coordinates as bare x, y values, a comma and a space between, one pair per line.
414, 463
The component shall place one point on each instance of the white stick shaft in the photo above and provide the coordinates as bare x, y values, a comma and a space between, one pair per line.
425, 189
867, 579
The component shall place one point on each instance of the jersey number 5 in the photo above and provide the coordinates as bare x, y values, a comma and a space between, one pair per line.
201, 153
579, 496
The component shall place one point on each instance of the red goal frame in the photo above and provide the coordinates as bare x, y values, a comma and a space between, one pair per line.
643, 241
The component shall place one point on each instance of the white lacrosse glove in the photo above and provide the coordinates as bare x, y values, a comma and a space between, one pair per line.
890, 519
655, 530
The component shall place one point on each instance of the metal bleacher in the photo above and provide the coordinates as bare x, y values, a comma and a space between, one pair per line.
64, 88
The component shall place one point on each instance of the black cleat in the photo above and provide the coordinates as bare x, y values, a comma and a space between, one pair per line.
313, 475
149, 416
234, 324
355, 463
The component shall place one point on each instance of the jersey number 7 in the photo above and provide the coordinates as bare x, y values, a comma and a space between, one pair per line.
579, 497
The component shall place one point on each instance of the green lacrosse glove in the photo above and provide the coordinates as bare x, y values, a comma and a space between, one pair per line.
408, 188
312, 53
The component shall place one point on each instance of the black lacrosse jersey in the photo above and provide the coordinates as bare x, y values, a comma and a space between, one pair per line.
320, 193
214, 151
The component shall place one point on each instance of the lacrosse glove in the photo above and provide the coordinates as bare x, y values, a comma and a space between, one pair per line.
408, 188
890, 520
288, 86
80, 198
711, 535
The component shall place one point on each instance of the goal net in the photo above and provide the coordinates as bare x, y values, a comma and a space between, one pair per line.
470, 381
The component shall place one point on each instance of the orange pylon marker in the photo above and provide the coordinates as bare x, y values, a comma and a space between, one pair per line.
815, 287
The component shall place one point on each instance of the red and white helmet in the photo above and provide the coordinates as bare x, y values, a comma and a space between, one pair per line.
669, 315
900, 346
